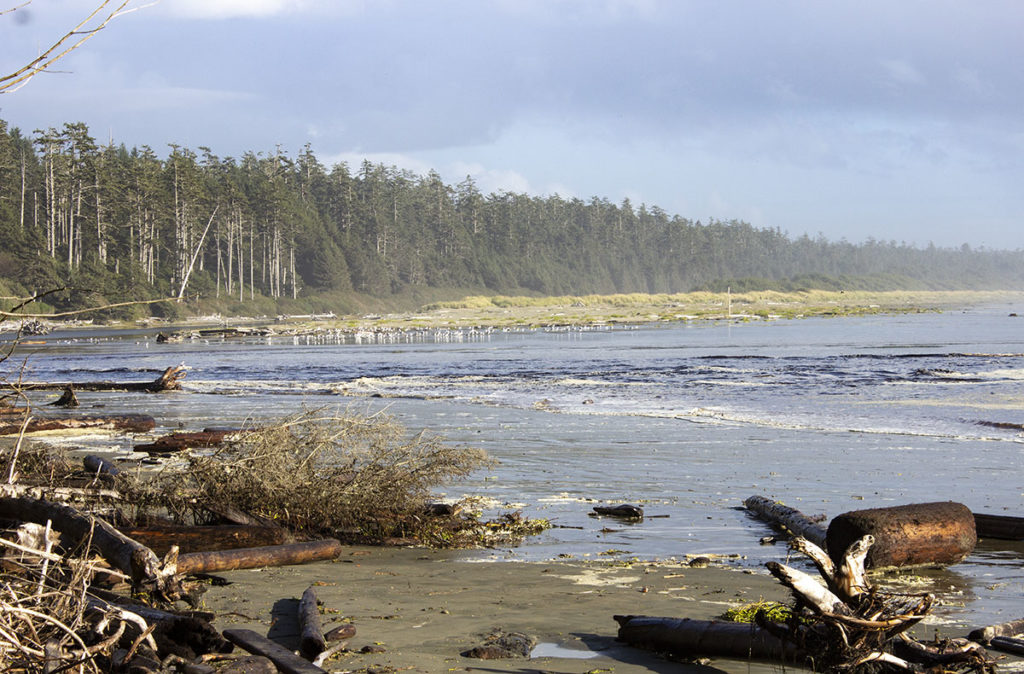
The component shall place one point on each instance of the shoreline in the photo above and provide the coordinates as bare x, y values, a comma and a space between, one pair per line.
501, 312
425, 607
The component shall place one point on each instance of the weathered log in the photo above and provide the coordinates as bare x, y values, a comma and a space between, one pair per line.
254, 558
685, 637
925, 533
311, 633
285, 660
807, 590
121, 552
235, 515
160, 538
1002, 527
791, 519
129, 423
181, 440
1007, 645
169, 380
1007, 629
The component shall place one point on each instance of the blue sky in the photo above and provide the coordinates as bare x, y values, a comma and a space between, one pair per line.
849, 118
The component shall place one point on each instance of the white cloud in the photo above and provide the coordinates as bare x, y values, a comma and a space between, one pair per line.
490, 180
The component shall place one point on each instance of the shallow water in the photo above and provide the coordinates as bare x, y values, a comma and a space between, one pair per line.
827, 415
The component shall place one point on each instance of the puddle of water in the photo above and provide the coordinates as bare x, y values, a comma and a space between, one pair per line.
558, 651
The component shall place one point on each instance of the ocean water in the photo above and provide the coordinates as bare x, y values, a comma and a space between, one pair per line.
685, 419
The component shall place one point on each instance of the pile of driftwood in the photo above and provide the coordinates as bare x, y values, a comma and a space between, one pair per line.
845, 623
72, 582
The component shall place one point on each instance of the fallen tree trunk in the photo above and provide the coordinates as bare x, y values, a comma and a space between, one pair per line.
924, 533
685, 637
283, 659
129, 423
181, 440
189, 540
311, 632
791, 519
1003, 527
121, 552
170, 380
1007, 629
254, 558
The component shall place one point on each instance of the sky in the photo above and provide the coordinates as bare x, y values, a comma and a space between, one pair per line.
852, 119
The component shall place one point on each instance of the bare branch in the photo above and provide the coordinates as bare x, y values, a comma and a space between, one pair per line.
71, 41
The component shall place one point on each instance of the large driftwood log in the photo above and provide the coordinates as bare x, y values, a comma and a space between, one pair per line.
311, 632
169, 380
181, 440
1002, 527
924, 533
121, 552
129, 423
254, 558
285, 660
685, 637
791, 519
161, 538
1007, 629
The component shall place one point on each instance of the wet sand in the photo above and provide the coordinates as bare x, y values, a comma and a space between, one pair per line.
425, 607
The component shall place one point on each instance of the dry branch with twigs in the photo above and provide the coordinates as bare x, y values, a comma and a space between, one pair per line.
96, 21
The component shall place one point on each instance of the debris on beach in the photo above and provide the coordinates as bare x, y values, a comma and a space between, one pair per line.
941, 533
846, 625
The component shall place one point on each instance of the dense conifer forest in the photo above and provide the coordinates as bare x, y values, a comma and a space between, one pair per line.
268, 230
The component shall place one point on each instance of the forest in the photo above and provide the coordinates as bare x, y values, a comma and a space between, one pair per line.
268, 232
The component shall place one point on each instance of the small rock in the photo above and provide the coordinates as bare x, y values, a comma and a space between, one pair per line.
343, 631
373, 648
699, 562
625, 511
768, 540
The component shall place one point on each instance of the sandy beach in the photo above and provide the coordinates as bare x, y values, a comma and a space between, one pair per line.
425, 607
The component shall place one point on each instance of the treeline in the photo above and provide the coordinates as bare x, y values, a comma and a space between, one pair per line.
128, 224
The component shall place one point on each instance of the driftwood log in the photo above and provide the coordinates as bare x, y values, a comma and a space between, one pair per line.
908, 535
788, 518
1008, 629
254, 558
128, 556
181, 440
285, 660
190, 539
999, 526
682, 637
169, 380
311, 633
129, 423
